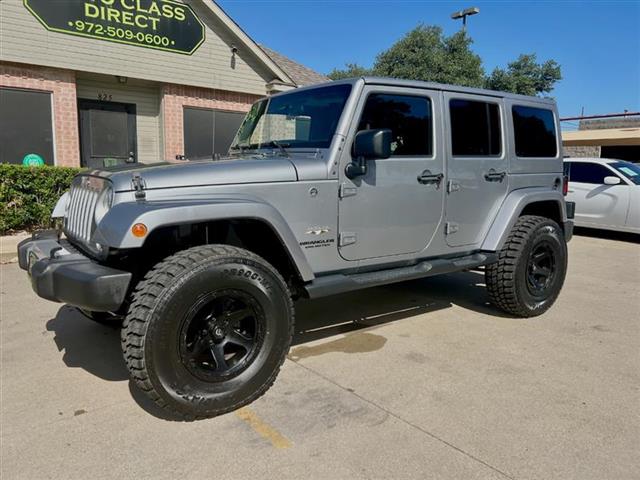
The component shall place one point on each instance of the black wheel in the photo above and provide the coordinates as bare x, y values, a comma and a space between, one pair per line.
531, 268
208, 330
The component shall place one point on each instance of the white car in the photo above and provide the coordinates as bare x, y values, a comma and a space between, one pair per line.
606, 193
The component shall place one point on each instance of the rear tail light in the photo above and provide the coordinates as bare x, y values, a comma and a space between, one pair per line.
565, 185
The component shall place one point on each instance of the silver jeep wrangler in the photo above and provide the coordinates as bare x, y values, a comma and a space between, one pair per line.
326, 189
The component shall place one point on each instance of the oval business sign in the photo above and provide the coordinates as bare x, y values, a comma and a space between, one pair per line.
159, 24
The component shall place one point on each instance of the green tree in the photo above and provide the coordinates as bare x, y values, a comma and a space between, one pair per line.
425, 53
526, 76
351, 70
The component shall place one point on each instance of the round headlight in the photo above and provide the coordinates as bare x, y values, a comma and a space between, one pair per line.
104, 204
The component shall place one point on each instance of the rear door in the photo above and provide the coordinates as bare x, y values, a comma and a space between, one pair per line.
390, 210
597, 204
476, 166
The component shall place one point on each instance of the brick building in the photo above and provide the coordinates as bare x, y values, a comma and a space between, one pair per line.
103, 82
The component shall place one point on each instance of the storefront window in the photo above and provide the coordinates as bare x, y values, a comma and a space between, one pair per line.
208, 132
26, 127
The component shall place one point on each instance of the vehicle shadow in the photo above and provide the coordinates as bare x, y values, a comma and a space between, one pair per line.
339, 314
88, 345
96, 348
607, 234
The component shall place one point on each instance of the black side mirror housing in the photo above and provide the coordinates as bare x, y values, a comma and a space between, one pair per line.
368, 145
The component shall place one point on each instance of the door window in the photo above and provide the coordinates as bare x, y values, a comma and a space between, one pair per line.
26, 126
208, 132
409, 119
535, 132
475, 128
109, 134
588, 173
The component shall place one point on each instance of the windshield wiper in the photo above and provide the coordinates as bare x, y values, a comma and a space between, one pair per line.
282, 146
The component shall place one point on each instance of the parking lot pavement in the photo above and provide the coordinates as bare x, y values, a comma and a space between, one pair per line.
416, 380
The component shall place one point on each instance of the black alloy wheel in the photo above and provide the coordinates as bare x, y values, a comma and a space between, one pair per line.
221, 335
541, 269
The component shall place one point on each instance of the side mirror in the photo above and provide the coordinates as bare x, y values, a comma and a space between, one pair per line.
612, 180
368, 145
372, 144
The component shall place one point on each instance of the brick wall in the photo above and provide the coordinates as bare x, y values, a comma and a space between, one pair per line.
62, 84
583, 151
176, 97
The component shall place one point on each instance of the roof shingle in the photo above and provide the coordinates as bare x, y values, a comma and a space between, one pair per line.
300, 74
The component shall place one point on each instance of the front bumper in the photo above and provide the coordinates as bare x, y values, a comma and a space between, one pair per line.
62, 274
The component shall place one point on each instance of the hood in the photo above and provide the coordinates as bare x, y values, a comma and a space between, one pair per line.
201, 173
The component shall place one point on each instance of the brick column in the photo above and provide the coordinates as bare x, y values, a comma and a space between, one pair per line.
62, 85
176, 97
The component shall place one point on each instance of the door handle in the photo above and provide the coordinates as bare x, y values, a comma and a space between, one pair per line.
493, 176
427, 177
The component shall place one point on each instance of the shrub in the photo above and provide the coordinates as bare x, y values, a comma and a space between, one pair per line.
28, 195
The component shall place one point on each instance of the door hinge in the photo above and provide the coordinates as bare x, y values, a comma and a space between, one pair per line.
347, 190
452, 186
347, 238
450, 228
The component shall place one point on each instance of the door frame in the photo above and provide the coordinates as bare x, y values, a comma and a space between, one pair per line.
437, 155
86, 104
479, 166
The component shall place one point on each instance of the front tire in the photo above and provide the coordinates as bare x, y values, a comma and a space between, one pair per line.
531, 268
208, 330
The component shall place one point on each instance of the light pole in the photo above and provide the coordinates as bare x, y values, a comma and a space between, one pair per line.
463, 14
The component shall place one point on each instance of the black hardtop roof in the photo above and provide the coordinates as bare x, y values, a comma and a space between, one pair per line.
396, 82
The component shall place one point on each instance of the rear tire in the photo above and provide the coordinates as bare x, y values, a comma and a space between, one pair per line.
208, 330
531, 268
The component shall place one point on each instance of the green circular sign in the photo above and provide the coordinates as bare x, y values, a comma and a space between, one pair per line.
32, 160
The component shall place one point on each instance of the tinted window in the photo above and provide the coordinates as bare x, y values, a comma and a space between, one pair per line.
408, 118
475, 128
629, 170
535, 132
25, 126
588, 173
208, 132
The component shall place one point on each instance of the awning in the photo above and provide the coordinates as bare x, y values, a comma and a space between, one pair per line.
604, 137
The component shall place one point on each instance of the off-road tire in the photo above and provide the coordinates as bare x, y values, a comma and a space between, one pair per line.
507, 281
152, 329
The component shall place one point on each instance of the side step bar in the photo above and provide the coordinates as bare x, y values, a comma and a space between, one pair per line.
340, 283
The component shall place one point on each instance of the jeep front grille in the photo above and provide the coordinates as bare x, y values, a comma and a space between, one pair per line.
83, 197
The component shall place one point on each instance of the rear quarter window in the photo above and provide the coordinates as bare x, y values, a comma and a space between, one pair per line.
535, 132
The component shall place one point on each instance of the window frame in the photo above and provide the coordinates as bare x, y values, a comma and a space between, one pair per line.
475, 98
401, 93
54, 140
558, 133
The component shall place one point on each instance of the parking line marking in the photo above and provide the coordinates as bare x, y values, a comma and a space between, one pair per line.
262, 428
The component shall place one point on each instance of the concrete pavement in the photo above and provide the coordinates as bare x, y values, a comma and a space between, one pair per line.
417, 380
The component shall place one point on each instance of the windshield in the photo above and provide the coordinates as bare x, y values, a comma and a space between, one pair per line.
304, 119
629, 170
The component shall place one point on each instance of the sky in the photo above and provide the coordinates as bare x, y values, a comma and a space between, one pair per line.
597, 44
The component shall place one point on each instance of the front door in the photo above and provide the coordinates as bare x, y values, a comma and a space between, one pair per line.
477, 167
394, 208
107, 133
